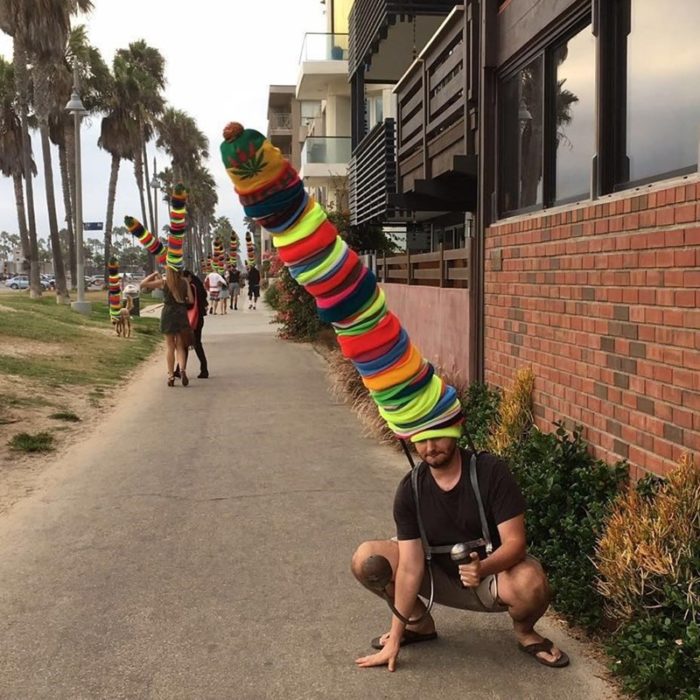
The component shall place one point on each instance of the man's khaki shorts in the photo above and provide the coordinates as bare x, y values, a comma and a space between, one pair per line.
449, 591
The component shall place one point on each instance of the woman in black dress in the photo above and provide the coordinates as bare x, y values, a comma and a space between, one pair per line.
174, 324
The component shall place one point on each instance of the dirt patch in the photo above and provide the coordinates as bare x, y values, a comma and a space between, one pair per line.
9, 309
26, 406
20, 347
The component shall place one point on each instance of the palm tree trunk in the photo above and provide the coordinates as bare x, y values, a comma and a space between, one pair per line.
22, 77
111, 196
21, 218
59, 271
148, 189
68, 205
138, 173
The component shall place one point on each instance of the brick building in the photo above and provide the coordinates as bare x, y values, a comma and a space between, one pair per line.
549, 151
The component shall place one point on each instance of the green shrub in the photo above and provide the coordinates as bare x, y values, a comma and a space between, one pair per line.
648, 559
68, 416
296, 311
568, 495
272, 297
658, 657
480, 405
26, 442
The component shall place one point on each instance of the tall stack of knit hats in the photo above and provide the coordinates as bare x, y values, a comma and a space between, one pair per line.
250, 249
114, 288
206, 265
233, 249
178, 225
219, 257
151, 243
414, 401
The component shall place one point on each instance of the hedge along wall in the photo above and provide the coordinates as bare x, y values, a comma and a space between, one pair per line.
603, 300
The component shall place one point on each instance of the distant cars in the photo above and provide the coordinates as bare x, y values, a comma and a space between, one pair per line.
22, 282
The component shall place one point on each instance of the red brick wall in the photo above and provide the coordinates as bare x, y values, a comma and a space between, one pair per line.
436, 320
603, 301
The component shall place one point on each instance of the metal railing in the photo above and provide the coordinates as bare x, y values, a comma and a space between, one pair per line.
324, 47
280, 120
326, 149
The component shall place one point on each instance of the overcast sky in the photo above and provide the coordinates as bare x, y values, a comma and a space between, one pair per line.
220, 60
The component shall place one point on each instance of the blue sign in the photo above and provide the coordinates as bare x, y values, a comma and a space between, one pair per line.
93, 225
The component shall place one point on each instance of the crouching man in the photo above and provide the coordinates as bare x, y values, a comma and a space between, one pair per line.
507, 580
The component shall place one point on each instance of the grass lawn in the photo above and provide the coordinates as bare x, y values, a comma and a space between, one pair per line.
53, 360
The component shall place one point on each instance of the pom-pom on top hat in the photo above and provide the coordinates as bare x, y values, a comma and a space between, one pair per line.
414, 401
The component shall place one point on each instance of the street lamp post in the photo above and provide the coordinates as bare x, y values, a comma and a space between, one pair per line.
155, 185
155, 293
76, 108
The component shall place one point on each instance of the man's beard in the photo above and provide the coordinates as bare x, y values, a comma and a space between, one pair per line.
440, 460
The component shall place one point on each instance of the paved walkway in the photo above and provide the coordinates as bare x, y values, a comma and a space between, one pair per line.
197, 546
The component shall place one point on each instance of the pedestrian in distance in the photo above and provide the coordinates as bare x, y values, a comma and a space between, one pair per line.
234, 286
174, 323
196, 314
214, 283
253, 286
445, 502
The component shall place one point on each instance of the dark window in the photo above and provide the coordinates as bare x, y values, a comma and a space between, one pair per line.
663, 87
521, 138
547, 125
574, 106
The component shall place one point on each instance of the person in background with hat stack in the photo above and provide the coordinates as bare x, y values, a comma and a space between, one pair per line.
177, 293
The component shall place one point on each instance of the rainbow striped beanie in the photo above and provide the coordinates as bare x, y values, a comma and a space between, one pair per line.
414, 401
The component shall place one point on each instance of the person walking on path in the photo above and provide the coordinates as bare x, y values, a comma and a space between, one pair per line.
446, 508
196, 316
234, 286
214, 283
253, 286
174, 323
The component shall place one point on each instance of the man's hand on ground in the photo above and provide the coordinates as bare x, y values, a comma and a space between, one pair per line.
470, 574
386, 657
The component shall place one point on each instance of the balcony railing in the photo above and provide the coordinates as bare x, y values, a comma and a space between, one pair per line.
324, 47
326, 149
370, 19
436, 102
280, 120
372, 174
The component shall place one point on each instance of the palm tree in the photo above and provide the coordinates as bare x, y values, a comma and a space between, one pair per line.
201, 207
41, 29
11, 161
95, 87
140, 79
16, 20
180, 138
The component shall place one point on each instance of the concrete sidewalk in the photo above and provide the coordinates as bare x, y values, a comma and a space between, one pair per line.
198, 545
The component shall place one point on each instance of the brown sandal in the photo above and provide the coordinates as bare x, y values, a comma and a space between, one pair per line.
409, 637
546, 646
171, 380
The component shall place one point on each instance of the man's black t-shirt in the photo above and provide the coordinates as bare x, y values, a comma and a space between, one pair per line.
453, 516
